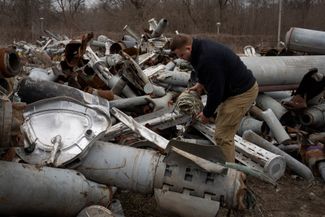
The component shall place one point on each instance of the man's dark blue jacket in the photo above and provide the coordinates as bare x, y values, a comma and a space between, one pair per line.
221, 72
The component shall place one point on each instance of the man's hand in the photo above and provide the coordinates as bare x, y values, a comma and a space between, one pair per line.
202, 118
197, 88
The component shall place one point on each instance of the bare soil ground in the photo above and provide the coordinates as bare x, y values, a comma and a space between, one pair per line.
293, 197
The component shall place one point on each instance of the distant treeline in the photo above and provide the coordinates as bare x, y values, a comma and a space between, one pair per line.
24, 19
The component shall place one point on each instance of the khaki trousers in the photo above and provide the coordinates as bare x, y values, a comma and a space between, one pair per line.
228, 119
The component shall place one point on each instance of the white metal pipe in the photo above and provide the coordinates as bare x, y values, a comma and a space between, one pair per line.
129, 102
249, 123
284, 70
161, 26
292, 163
279, 95
263, 160
266, 102
127, 91
177, 78
273, 165
274, 124
305, 40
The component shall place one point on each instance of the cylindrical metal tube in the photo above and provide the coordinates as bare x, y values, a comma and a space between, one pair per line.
97, 43
264, 102
127, 91
121, 166
180, 174
170, 66
131, 32
314, 116
177, 78
9, 63
43, 191
275, 126
129, 102
161, 26
143, 170
273, 165
249, 123
292, 163
119, 86
284, 70
280, 95
95, 211
172, 87
129, 38
289, 148
305, 40
116, 47
32, 91
157, 91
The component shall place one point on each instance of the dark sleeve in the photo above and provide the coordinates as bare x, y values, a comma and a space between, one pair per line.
213, 79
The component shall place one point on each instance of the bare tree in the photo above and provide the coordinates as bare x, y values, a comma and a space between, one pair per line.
69, 9
222, 4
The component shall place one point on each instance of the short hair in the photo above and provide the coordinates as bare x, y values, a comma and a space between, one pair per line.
180, 41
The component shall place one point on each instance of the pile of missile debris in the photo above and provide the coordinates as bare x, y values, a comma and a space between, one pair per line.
82, 118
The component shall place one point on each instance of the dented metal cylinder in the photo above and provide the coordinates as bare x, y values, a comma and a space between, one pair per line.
305, 40
28, 190
143, 170
314, 116
182, 177
121, 166
9, 63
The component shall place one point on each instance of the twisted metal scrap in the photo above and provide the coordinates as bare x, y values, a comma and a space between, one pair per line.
189, 103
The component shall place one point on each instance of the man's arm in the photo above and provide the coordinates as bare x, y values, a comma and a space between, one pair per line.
198, 87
